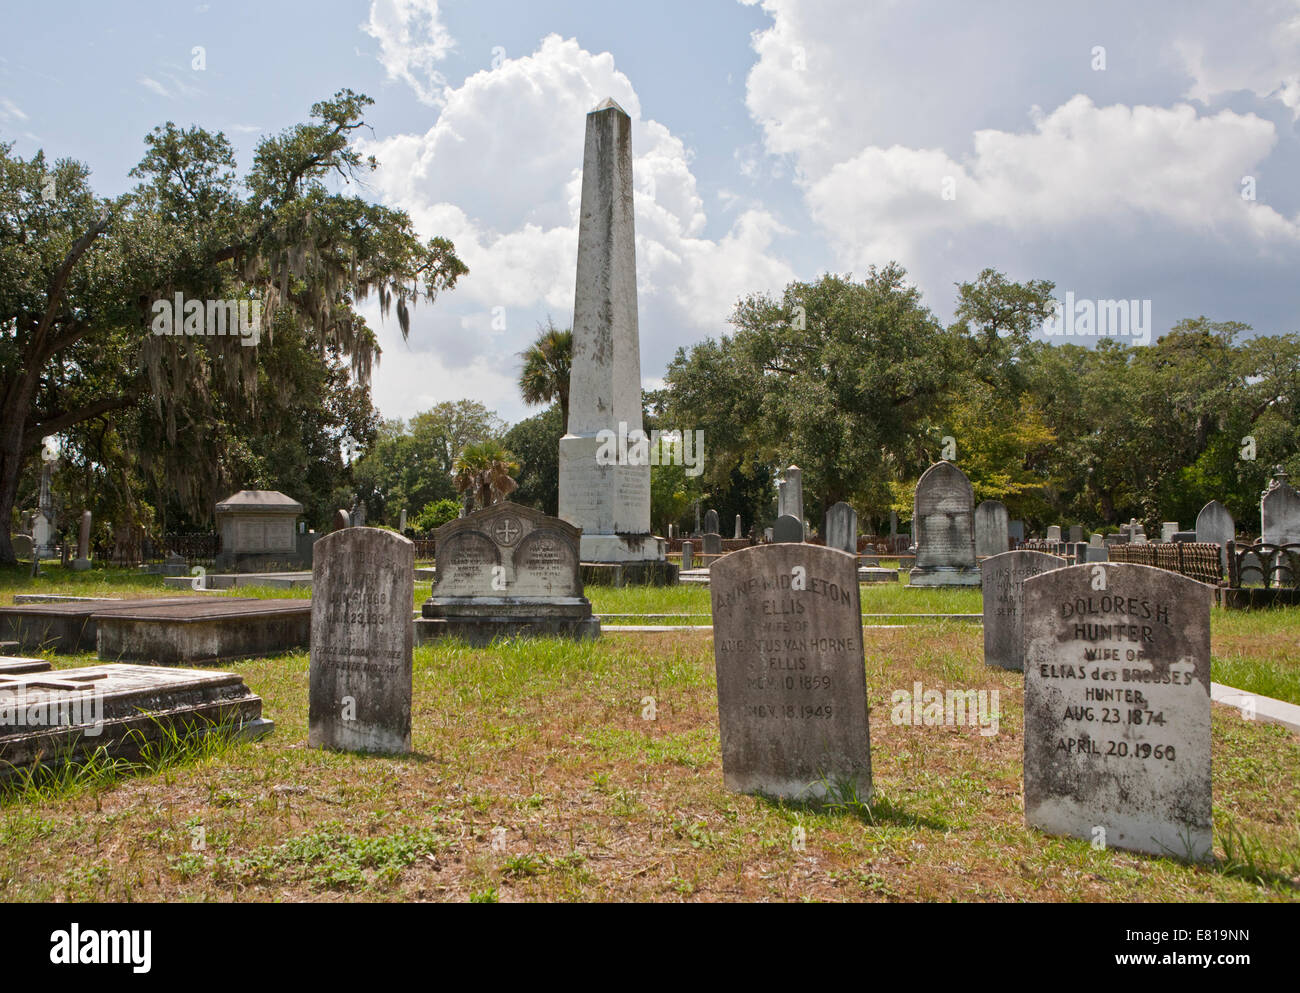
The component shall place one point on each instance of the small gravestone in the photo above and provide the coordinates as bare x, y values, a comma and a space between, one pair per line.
1016, 531
507, 570
1076, 533
739, 534
943, 519
842, 528
992, 528
768, 534
342, 519
1215, 525
1167, 531
23, 545
82, 562
1004, 578
1117, 708
711, 544
787, 528
711, 522
1095, 540
363, 588
1098, 553
1054, 533
792, 696
688, 555
1279, 512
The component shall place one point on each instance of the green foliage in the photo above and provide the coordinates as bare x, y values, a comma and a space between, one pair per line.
535, 443
545, 374
435, 515
484, 472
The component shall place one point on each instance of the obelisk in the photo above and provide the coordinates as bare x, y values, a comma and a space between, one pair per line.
604, 475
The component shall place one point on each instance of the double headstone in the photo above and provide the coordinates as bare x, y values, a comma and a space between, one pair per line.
1117, 708
1003, 578
943, 519
792, 696
363, 587
992, 528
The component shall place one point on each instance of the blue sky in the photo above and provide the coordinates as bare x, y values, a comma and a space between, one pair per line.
773, 141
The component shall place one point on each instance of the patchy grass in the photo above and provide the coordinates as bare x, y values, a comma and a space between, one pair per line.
534, 776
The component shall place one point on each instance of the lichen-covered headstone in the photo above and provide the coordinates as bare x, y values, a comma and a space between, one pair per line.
1003, 580
792, 696
1117, 708
842, 528
992, 528
943, 520
363, 589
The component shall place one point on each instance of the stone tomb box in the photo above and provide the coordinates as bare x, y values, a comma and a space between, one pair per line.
258, 531
505, 570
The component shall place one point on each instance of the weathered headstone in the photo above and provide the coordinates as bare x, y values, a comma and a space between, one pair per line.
1076, 533
1279, 512
1054, 532
739, 533
769, 534
1016, 531
792, 697
1098, 553
82, 562
688, 555
842, 528
342, 519
1003, 578
23, 545
1167, 531
401, 520
794, 493
992, 528
1214, 524
711, 522
1095, 540
787, 528
608, 499
507, 570
1117, 708
943, 520
711, 544
363, 587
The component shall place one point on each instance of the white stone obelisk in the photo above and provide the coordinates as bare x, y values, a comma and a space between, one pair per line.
600, 490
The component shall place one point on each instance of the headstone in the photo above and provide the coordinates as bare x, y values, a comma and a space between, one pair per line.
711, 522
787, 528
992, 528
401, 521
739, 534
607, 499
794, 491
82, 561
342, 519
1214, 524
1076, 533
943, 519
688, 555
1016, 531
711, 544
1279, 512
893, 524
1167, 531
175, 565
1098, 553
1117, 708
507, 570
792, 696
23, 545
1003, 579
42, 535
842, 528
1186, 537
1095, 540
359, 515
258, 531
769, 534
363, 587
1054, 533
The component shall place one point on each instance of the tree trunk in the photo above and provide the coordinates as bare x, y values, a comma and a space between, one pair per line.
13, 415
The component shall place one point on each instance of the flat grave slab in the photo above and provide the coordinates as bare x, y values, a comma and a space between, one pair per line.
121, 708
237, 580
204, 629
66, 626
11, 666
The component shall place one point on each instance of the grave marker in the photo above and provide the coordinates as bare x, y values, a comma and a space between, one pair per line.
992, 528
943, 522
1003, 580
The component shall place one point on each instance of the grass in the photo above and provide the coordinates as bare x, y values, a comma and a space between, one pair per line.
536, 775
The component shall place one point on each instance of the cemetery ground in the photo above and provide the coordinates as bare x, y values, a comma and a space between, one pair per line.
537, 774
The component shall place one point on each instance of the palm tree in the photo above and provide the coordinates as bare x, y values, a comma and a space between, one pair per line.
483, 470
545, 376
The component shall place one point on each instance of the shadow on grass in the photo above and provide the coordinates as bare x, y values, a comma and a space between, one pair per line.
842, 800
